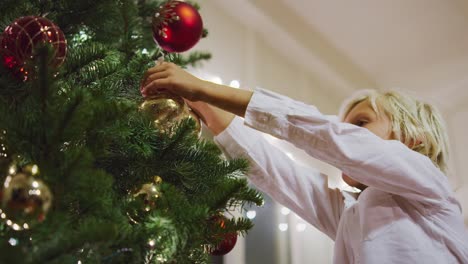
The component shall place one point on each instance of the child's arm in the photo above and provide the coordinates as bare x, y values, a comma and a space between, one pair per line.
388, 165
302, 189
384, 164
215, 119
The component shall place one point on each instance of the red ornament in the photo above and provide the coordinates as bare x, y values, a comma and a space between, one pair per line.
21, 37
228, 242
177, 26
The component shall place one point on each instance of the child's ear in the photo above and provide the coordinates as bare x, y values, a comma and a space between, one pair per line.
415, 144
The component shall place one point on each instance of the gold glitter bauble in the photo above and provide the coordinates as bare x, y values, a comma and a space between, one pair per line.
25, 199
167, 111
144, 199
190, 114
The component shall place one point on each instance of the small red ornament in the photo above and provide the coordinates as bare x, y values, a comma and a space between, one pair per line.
228, 242
21, 37
177, 26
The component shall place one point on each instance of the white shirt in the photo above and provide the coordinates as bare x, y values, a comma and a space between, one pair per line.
408, 214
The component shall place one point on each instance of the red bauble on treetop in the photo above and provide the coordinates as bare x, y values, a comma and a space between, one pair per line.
177, 26
20, 38
228, 240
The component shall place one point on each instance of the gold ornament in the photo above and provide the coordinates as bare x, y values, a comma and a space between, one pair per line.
144, 200
167, 111
190, 114
25, 200
157, 180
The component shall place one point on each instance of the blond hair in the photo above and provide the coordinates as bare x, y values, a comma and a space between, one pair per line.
417, 124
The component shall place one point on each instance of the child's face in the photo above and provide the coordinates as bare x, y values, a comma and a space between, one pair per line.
364, 116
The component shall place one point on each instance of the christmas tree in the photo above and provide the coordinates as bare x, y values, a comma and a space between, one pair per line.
90, 171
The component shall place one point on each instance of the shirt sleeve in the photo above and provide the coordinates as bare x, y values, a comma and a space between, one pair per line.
384, 164
304, 190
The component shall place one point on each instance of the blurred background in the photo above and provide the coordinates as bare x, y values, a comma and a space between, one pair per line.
320, 52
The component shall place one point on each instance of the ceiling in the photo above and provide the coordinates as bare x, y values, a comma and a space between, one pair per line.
420, 46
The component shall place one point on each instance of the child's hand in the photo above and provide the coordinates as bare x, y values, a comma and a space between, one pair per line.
168, 76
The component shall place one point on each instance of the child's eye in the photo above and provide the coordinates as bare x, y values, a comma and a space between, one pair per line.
361, 123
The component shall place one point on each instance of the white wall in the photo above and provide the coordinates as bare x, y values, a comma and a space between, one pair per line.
243, 54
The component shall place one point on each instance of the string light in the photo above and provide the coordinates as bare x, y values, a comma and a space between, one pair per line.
151, 243
35, 184
35, 170
300, 227
235, 84
217, 80
251, 214
13, 241
283, 227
